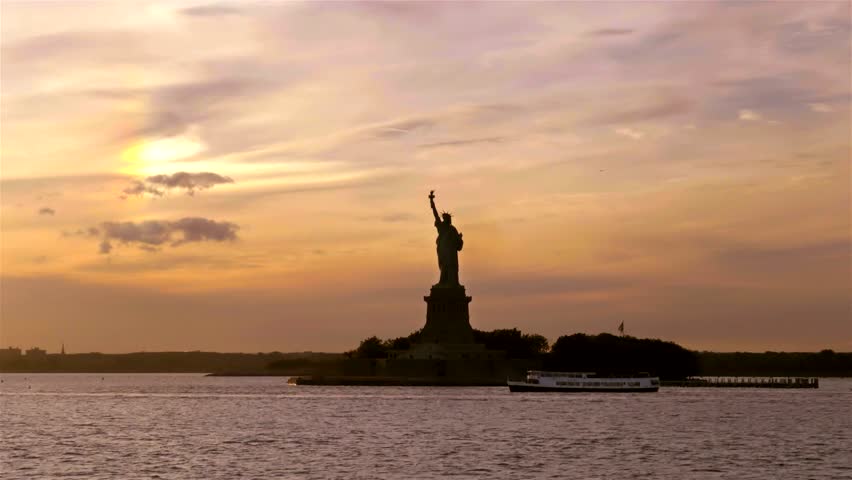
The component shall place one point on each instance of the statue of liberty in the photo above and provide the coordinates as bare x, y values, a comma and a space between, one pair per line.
449, 245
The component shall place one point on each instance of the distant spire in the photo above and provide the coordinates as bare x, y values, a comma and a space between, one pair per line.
63, 348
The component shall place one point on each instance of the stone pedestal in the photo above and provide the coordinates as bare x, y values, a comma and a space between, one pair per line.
447, 316
446, 347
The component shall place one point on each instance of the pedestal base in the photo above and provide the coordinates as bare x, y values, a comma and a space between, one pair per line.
446, 345
447, 351
447, 317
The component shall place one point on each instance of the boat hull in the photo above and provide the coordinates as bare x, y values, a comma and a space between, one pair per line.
529, 387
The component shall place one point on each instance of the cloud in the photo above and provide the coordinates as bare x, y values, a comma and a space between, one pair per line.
208, 102
414, 11
464, 142
151, 234
609, 32
749, 115
191, 182
629, 132
820, 107
213, 10
54, 185
48, 196
85, 233
105, 247
46, 211
70, 46
158, 185
659, 109
138, 187
399, 128
171, 261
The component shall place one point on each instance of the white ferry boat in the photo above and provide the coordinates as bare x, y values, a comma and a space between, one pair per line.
538, 381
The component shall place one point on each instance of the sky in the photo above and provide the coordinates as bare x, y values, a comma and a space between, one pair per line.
253, 177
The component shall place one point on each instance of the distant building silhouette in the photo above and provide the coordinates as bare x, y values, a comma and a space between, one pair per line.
10, 354
36, 353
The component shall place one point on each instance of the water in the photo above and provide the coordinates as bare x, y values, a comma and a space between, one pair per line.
190, 426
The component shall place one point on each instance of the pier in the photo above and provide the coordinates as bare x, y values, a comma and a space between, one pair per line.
745, 382
383, 381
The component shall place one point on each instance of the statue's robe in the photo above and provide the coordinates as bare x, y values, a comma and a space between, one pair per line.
449, 244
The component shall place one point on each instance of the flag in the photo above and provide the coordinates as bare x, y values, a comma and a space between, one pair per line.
621, 328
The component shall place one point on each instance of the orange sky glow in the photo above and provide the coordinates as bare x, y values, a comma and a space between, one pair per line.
254, 176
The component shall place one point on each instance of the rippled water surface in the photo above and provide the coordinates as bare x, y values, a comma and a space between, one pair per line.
191, 426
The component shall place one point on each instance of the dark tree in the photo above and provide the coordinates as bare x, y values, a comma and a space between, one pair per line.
372, 347
512, 341
607, 353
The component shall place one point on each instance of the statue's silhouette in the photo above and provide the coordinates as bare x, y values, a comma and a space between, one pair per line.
450, 243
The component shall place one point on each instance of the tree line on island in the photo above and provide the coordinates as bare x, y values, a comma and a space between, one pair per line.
516, 344
578, 352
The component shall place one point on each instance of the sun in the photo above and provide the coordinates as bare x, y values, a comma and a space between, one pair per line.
151, 156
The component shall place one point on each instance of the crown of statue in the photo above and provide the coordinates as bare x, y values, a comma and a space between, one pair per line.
446, 214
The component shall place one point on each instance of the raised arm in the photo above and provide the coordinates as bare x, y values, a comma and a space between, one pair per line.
432, 204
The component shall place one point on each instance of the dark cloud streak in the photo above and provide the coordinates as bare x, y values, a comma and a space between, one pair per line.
151, 234
463, 142
138, 187
610, 32
212, 10
191, 183
400, 128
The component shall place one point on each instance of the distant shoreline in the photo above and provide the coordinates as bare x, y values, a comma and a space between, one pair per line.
824, 364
